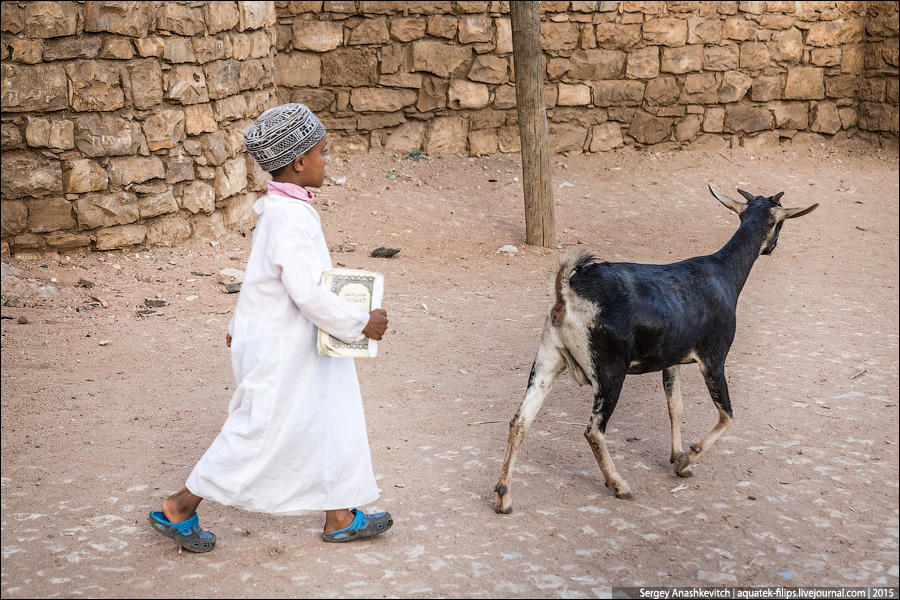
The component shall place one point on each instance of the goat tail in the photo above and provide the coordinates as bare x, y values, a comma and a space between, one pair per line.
569, 264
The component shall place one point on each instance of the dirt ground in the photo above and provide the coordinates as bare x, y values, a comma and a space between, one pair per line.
106, 409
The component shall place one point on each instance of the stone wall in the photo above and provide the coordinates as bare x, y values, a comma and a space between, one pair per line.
122, 121
438, 76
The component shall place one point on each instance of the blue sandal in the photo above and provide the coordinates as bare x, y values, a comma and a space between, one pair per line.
363, 525
188, 533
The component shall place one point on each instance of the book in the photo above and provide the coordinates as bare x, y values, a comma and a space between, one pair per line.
365, 289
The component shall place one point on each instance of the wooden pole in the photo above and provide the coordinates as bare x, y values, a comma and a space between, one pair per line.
525, 18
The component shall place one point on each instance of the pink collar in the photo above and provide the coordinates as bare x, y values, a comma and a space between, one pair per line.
283, 188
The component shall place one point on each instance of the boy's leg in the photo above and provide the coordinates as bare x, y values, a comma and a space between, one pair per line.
180, 506
337, 519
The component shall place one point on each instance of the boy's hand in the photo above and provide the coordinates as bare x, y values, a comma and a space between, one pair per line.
377, 325
228, 340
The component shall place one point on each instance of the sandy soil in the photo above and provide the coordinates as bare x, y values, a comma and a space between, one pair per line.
105, 409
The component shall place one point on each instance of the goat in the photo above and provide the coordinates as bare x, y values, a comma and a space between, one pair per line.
614, 319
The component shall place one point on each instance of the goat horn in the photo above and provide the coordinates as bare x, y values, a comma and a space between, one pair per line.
729, 203
747, 195
792, 213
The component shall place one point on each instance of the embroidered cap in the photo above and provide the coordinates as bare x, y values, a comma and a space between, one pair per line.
281, 134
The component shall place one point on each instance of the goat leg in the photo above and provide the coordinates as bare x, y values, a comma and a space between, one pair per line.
605, 398
718, 391
672, 387
548, 365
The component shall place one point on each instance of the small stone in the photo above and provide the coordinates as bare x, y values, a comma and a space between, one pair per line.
191, 298
384, 252
509, 249
22, 320
104, 342
154, 302
232, 288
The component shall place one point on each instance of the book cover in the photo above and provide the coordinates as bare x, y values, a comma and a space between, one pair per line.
365, 289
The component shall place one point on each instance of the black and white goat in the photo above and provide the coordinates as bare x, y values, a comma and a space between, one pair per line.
612, 319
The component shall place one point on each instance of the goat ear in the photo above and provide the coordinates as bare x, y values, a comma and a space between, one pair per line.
730, 203
747, 195
777, 198
792, 213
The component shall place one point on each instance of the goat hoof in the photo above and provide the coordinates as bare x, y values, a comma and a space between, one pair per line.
626, 495
683, 465
503, 511
500, 489
696, 448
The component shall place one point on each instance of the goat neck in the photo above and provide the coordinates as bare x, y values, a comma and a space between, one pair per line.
742, 250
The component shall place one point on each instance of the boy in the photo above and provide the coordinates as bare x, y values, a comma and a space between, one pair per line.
295, 437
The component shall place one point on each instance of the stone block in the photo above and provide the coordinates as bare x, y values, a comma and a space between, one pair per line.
877, 116
180, 19
231, 178
483, 142
353, 67
826, 57
508, 139
733, 86
402, 80
50, 19
704, 31
84, 175
12, 19
178, 49
179, 167
714, 120
721, 58
62, 240
150, 47
465, 94
25, 175
805, 83
198, 196
688, 128
134, 169
221, 16
605, 137
255, 15
739, 30
106, 210
573, 95
852, 59
108, 135
647, 8
298, 69
168, 231
594, 65
232, 108
474, 29
11, 137
559, 37
95, 86
125, 18
766, 139
610, 93
747, 119
33, 88
649, 129
682, 60
199, 119
488, 68
567, 137
438, 58
841, 86
145, 77
665, 32
378, 121
68, 48
222, 78
699, 88
754, 56
317, 36
442, 26
260, 45
662, 90
208, 49
405, 138
164, 129
447, 135
122, 236
848, 117
825, 118
13, 216
369, 31
617, 36
642, 64
408, 29
186, 84
380, 99
836, 33
50, 214
117, 48
766, 88
504, 97
58, 134
208, 227
791, 116
380, 7
239, 211
26, 51
254, 74
504, 36
153, 205
215, 149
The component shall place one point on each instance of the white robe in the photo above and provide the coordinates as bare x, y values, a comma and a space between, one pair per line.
295, 438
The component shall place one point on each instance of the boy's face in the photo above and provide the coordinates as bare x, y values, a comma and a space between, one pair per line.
315, 164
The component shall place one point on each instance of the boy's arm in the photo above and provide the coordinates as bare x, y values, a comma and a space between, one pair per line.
296, 256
